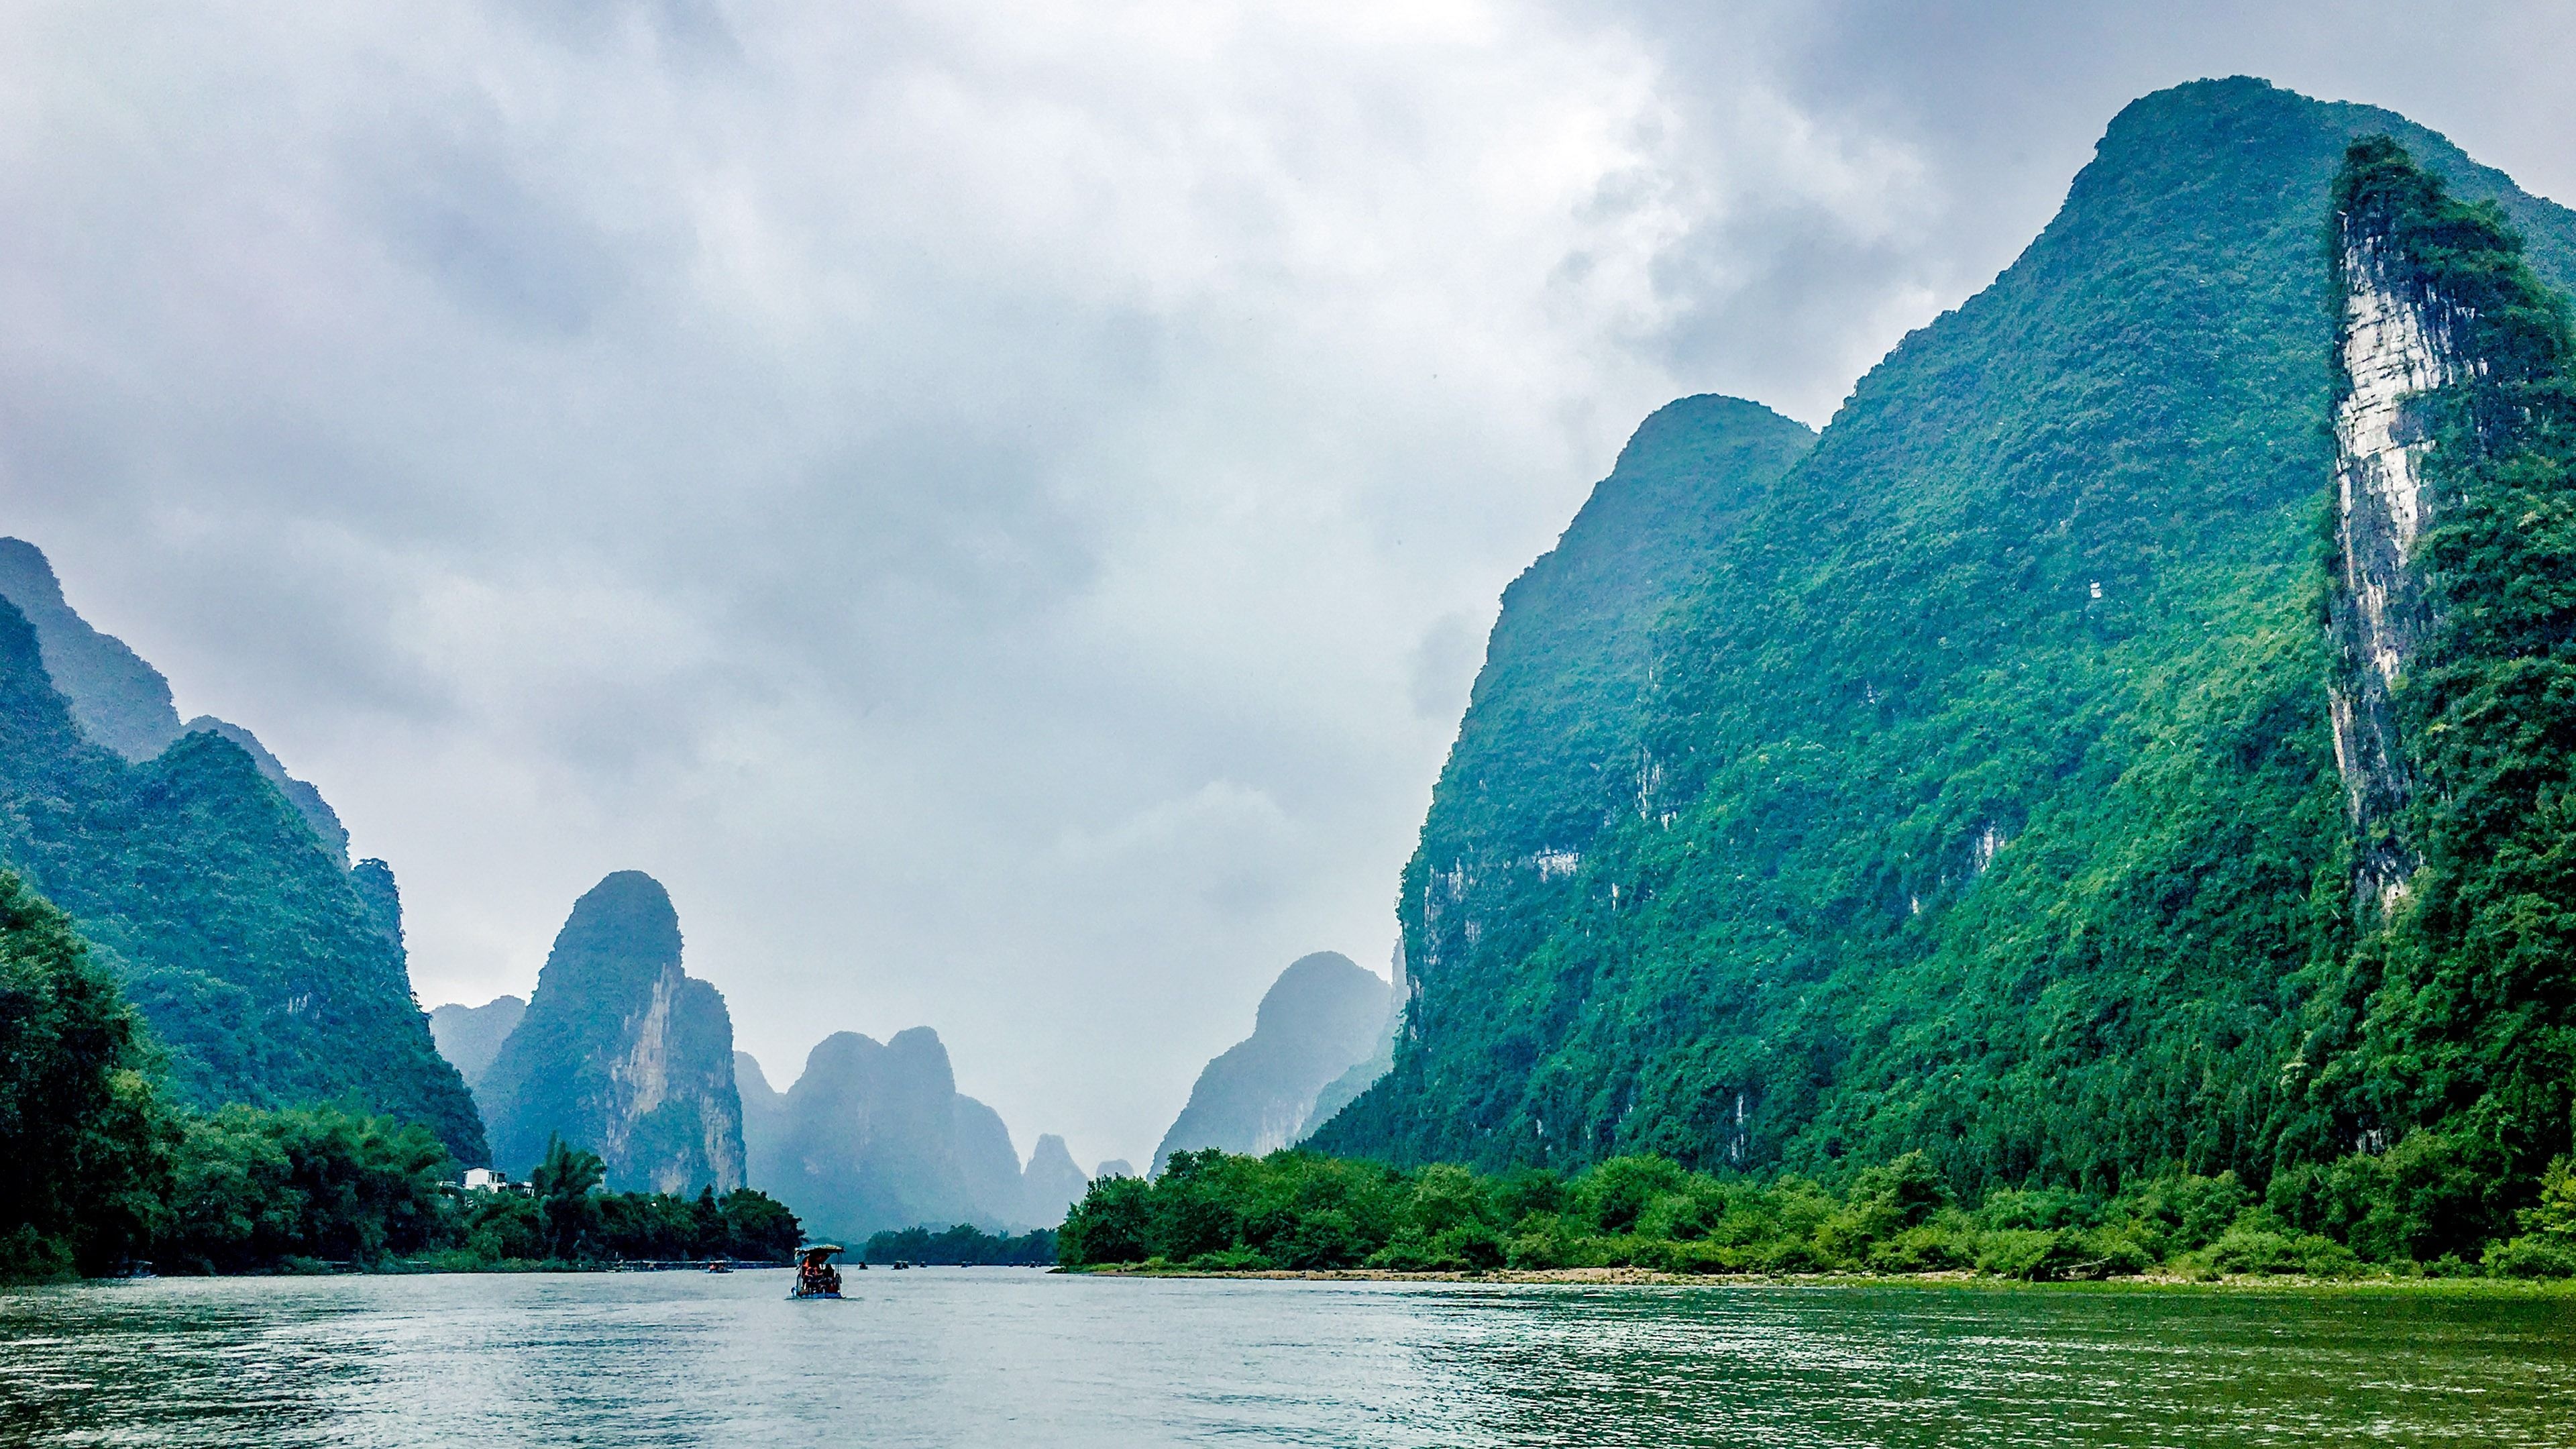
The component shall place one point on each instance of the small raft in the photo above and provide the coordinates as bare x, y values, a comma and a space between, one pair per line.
815, 1275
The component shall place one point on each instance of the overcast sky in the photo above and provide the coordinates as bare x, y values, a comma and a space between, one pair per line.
996, 505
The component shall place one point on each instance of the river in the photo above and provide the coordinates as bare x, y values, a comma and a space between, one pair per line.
1016, 1357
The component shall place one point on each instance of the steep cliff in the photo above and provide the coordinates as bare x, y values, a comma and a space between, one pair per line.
1320, 1018
876, 1135
471, 1036
268, 972
2453, 603
1985, 786
621, 1052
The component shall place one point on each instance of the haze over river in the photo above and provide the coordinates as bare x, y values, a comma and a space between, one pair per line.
1017, 1357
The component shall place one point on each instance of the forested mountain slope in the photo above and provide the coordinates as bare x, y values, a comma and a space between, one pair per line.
1984, 799
269, 972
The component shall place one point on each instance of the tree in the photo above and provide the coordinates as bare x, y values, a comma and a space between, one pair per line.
81, 1126
563, 1184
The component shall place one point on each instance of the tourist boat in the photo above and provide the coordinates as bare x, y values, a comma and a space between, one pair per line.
815, 1275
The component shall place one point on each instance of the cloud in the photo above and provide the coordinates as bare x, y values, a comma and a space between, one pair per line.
994, 505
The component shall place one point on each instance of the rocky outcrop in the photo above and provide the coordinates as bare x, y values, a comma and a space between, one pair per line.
875, 1135
1323, 1016
621, 1052
2395, 348
471, 1036
1050, 1183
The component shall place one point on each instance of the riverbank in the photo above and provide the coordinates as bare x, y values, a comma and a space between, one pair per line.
1647, 1277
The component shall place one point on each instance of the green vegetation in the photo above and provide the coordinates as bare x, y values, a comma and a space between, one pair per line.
278, 1191
964, 1245
80, 1128
1215, 1212
268, 972
2457, 1016
1982, 802
612, 992
106, 1173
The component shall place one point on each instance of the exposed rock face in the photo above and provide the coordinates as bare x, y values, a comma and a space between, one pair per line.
1050, 1183
876, 1136
2396, 347
2009, 693
471, 1036
621, 1052
1323, 1016
270, 972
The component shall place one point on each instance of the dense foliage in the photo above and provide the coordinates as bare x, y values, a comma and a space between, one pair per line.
263, 1191
263, 966
2459, 1012
965, 1246
612, 993
80, 1128
1299, 1211
1983, 801
259, 1189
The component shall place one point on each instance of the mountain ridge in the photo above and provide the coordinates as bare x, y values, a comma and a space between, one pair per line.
1986, 802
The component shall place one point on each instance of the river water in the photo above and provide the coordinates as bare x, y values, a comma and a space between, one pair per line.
991, 1356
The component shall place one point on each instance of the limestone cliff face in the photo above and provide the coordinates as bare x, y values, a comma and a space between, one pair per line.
2395, 348
621, 1052
1323, 1016
875, 1135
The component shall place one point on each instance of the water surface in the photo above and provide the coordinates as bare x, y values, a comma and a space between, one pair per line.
1011, 1357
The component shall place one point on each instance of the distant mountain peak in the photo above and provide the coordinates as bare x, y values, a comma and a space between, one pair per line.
1322, 1016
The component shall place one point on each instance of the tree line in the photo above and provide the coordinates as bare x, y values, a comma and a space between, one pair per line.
2410, 1212
105, 1172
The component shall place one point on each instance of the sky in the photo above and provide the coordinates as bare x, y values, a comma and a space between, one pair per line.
996, 505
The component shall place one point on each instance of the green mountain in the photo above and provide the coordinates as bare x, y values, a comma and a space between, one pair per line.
1323, 1016
121, 701
1979, 794
269, 971
620, 1052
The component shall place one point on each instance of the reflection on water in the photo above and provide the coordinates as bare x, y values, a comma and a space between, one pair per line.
998, 1356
